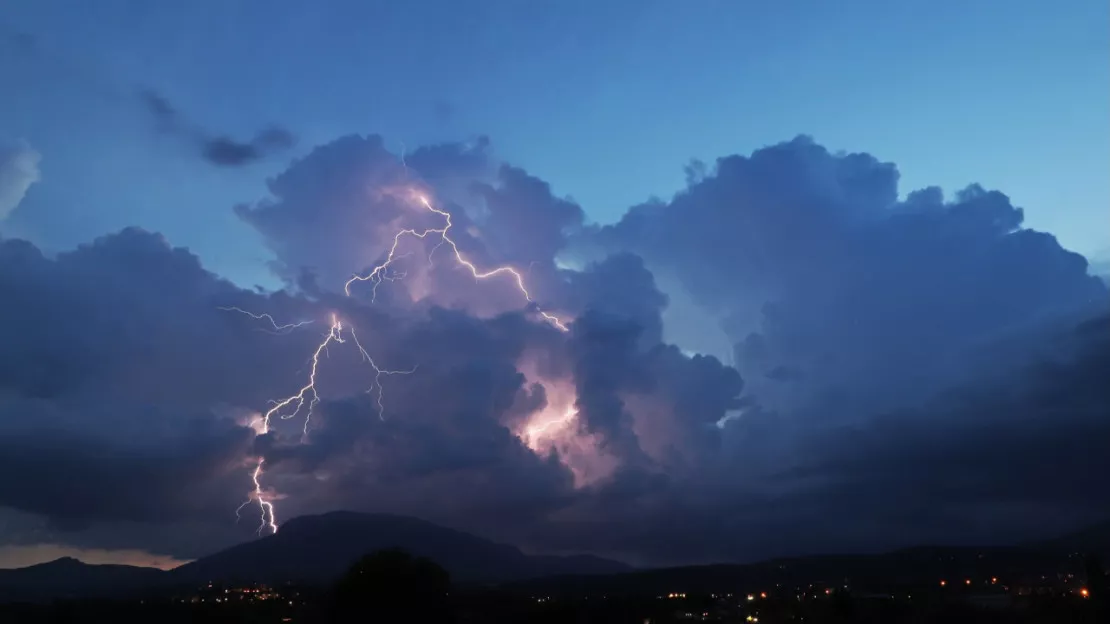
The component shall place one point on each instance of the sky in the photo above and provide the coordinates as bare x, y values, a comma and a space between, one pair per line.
790, 273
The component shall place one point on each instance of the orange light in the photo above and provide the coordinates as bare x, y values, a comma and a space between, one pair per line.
943, 583
967, 582
994, 579
762, 594
1083, 592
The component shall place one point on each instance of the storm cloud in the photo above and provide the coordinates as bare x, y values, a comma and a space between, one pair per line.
865, 325
813, 267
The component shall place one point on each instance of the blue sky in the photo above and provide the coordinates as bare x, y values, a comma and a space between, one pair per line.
606, 101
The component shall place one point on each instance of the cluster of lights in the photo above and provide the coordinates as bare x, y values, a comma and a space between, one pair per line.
993, 581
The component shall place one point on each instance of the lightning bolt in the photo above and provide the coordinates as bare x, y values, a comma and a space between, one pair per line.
268, 520
305, 400
307, 393
278, 329
378, 372
382, 273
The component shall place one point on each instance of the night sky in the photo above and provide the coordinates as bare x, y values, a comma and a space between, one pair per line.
804, 278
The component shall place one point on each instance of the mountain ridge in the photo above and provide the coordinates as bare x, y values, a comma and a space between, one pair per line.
320, 548
317, 549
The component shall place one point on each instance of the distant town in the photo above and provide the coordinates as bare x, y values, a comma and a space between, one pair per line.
394, 586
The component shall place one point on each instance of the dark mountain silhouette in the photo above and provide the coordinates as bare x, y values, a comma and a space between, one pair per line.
319, 549
912, 568
67, 577
1092, 540
310, 549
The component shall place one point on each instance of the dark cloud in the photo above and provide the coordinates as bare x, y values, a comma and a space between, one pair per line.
810, 263
225, 151
160, 108
622, 286
996, 465
962, 466
95, 470
36, 63
116, 355
217, 149
872, 411
523, 220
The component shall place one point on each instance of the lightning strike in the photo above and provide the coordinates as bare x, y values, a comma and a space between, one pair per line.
378, 372
307, 394
381, 272
266, 507
277, 329
305, 400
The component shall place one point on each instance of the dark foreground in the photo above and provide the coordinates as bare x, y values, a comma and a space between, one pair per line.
393, 586
497, 607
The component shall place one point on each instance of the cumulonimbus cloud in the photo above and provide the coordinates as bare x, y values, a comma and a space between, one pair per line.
845, 304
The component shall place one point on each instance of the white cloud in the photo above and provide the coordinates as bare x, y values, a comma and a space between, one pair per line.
19, 169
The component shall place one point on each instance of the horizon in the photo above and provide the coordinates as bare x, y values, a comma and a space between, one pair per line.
95, 558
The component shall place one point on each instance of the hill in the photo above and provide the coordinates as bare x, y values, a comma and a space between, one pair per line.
67, 577
911, 568
310, 549
1094, 540
317, 549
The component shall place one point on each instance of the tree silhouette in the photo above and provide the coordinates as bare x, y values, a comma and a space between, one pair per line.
392, 586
